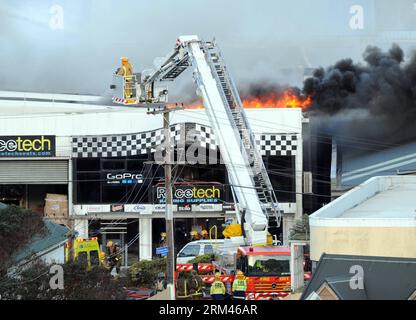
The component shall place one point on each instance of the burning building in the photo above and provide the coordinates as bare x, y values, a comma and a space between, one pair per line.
101, 160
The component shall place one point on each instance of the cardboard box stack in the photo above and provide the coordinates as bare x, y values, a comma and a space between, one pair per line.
56, 208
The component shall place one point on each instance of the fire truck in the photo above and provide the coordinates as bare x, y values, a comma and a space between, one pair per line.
85, 250
257, 215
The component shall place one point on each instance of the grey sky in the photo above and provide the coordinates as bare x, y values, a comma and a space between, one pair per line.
261, 39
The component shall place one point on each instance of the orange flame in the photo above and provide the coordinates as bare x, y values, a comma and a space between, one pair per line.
287, 99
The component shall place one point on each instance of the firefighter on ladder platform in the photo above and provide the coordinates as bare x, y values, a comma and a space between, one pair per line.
239, 286
126, 70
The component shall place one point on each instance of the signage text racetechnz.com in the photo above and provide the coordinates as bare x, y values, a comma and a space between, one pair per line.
27, 146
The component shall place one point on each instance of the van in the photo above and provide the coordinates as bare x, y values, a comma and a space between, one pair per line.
198, 248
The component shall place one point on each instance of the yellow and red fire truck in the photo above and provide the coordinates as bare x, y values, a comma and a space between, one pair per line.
266, 268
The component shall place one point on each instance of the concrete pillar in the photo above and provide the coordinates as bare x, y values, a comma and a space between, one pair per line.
145, 240
81, 227
299, 177
70, 194
288, 222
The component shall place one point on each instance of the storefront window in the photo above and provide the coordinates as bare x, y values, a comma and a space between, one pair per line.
281, 171
113, 164
111, 180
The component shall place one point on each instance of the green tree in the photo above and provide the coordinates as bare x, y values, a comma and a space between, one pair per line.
17, 227
144, 273
32, 283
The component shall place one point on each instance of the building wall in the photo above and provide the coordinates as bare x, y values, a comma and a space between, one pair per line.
366, 241
55, 256
68, 120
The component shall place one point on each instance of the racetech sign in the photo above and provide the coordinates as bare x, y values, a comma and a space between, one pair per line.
191, 194
27, 146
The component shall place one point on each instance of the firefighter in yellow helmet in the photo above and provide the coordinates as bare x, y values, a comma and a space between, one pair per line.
204, 234
109, 247
217, 290
194, 235
126, 70
239, 286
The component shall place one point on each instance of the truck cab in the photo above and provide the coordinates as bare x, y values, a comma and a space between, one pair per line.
267, 271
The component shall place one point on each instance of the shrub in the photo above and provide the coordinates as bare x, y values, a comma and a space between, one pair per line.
79, 284
144, 273
17, 227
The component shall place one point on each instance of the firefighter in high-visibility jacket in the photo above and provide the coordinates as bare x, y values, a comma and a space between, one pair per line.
239, 286
126, 70
217, 290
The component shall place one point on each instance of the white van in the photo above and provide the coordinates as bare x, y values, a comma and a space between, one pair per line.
198, 248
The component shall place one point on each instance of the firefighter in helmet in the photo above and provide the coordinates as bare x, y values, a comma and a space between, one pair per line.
114, 257
162, 241
126, 70
194, 235
195, 285
204, 234
239, 286
217, 290
182, 286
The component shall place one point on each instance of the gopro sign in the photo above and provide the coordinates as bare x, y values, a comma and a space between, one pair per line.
124, 178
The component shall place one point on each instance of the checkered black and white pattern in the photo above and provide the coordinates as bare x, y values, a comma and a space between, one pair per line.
145, 142
121, 145
206, 136
277, 144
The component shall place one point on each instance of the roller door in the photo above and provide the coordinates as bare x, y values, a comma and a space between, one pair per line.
34, 172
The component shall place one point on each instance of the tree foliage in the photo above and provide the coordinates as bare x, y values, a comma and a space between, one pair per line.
17, 227
144, 273
205, 258
32, 283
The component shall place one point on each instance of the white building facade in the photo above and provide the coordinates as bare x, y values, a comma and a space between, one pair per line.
102, 158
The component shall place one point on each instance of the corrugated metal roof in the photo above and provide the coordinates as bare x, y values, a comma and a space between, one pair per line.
54, 234
383, 278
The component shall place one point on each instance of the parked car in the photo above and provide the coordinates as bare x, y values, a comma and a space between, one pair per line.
198, 248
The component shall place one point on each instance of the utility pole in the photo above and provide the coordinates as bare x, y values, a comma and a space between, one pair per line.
170, 270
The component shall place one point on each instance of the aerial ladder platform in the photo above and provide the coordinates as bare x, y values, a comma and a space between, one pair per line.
257, 206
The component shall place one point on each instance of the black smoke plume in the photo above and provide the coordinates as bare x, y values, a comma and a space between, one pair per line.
376, 99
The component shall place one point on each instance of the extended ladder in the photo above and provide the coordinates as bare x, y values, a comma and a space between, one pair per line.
262, 183
257, 203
